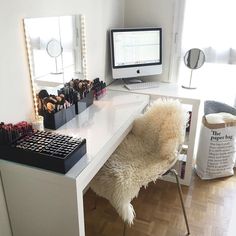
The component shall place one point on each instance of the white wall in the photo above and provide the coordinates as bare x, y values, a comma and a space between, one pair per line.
15, 93
15, 87
4, 222
159, 13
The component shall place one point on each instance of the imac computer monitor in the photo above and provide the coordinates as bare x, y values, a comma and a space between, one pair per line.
136, 52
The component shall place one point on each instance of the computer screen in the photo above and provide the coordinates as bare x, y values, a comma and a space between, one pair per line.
136, 52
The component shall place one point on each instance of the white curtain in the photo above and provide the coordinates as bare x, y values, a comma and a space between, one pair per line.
211, 26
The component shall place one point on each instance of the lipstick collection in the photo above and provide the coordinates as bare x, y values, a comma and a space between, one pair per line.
43, 149
51, 144
9, 133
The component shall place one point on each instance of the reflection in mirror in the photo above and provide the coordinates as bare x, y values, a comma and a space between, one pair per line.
193, 59
54, 48
55, 51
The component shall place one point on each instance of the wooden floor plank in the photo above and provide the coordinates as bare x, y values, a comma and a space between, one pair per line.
210, 206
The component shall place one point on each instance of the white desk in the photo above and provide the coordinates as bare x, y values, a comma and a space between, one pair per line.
46, 203
191, 99
194, 98
202, 93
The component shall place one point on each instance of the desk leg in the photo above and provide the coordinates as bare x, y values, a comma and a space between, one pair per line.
80, 204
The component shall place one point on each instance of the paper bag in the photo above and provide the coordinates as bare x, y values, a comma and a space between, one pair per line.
217, 150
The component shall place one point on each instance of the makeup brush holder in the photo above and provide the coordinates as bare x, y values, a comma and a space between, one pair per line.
57, 119
84, 103
46, 150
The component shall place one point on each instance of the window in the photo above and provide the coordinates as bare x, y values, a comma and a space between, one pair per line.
210, 26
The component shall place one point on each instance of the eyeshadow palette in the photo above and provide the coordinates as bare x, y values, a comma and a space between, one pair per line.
46, 150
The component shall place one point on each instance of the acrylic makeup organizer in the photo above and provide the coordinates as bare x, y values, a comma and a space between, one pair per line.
47, 150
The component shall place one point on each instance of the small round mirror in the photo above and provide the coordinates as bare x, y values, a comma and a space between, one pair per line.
54, 48
194, 58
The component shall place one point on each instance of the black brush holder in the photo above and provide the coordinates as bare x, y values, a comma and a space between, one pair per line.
84, 103
57, 119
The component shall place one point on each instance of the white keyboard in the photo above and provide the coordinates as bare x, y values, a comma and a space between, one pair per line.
142, 85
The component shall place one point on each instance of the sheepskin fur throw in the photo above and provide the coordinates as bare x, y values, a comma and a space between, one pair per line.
147, 152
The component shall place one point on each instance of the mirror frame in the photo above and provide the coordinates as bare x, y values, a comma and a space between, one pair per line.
189, 60
187, 57
30, 60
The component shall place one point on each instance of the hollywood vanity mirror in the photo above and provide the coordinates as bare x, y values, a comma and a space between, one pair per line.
56, 51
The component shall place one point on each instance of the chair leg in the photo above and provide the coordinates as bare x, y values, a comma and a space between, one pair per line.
124, 230
174, 172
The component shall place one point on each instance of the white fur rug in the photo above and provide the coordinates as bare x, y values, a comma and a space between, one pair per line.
147, 152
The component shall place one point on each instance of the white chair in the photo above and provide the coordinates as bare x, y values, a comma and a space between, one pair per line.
147, 153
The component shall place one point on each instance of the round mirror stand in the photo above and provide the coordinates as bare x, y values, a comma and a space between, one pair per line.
190, 81
193, 59
54, 50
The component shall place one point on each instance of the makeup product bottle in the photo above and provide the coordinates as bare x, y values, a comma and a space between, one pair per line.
38, 123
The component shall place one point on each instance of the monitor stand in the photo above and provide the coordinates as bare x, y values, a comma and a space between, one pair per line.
132, 81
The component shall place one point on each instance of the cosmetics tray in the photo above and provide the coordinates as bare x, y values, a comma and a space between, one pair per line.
46, 150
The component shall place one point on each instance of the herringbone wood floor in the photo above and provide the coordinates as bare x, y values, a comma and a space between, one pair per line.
210, 205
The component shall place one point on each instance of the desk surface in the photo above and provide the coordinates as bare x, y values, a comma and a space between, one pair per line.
102, 124
45, 196
175, 90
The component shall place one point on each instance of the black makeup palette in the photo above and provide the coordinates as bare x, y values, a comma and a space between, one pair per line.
46, 150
